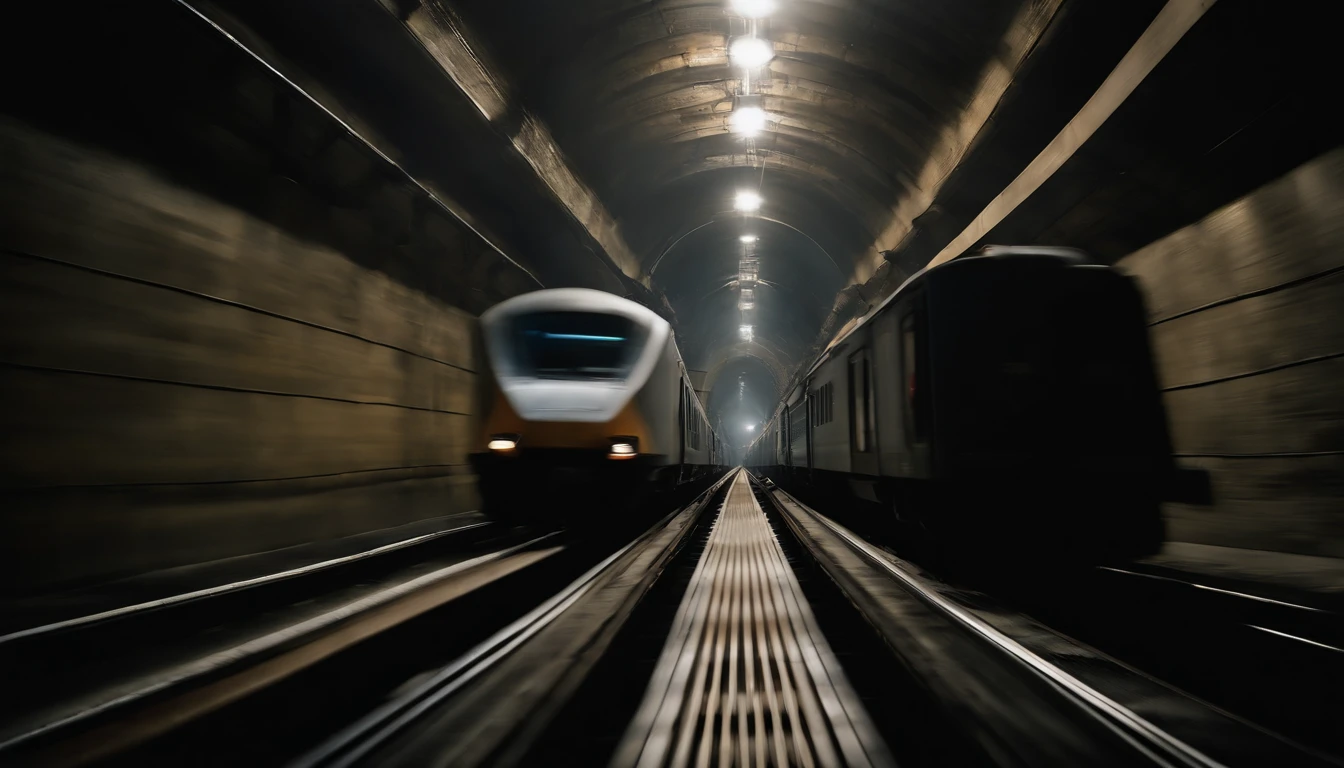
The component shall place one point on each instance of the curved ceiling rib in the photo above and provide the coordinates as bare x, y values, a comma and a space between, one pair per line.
725, 216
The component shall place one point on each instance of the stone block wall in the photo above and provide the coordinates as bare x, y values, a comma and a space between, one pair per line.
182, 380
1247, 309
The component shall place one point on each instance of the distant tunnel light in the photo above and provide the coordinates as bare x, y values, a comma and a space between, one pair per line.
747, 238
753, 9
751, 427
746, 332
748, 299
747, 271
747, 121
751, 52
747, 201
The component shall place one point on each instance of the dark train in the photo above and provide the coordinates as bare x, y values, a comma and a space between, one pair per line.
1002, 404
587, 409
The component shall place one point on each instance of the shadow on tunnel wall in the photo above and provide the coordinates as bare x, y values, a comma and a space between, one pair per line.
228, 325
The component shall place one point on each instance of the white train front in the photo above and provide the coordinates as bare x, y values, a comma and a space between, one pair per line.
585, 401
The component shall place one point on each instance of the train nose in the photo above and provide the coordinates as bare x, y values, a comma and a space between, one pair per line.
571, 478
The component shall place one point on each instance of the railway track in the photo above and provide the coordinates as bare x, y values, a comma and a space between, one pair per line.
777, 637
86, 688
1288, 656
742, 629
259, 670
1272, 656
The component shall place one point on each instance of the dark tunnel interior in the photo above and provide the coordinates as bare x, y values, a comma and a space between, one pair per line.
985, 352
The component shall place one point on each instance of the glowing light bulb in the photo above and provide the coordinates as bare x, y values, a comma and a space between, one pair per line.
753, 9
747, 201
747, 238
747, 121
751, 52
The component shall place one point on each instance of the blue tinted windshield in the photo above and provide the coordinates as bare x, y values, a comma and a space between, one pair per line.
576, 345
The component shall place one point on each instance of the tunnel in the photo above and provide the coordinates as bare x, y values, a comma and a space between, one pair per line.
247, 247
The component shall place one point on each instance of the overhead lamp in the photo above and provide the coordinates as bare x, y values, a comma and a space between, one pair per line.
747, 201
751, 52
747, 121
746, 332
751, 427
753, 9
747, 238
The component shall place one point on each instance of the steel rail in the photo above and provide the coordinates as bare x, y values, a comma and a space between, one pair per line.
1160, 746
236, 586
357, 741
259, 647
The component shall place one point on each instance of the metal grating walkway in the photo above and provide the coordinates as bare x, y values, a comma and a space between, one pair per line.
746, 677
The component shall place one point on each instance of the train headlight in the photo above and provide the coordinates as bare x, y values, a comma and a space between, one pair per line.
623, 448
502, 443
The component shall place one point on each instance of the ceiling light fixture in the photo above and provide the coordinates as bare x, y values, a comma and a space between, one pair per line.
753, 9
747, 121
747, 270
746, 332
747, 201
751, 52
747, 238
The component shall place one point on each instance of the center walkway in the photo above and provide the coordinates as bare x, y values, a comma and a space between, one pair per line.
746, 677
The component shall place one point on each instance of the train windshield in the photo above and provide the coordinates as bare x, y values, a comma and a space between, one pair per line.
577, 345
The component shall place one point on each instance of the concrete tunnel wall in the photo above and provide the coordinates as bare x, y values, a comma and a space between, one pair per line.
185, 381
1247, 312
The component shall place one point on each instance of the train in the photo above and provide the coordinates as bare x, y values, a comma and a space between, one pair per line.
587, 410
1001, 405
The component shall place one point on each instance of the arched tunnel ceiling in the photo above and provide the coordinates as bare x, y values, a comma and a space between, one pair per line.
638, 94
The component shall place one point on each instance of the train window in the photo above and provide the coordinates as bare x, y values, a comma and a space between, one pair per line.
860, 402
576, 345
822, 404
915, 380
692, 419
684, 414
697, 421
796, 417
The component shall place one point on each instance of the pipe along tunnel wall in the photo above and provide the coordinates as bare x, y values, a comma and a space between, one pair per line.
183, 380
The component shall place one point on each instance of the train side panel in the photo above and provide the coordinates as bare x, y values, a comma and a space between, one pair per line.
657, 401
828, 390
996, 404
